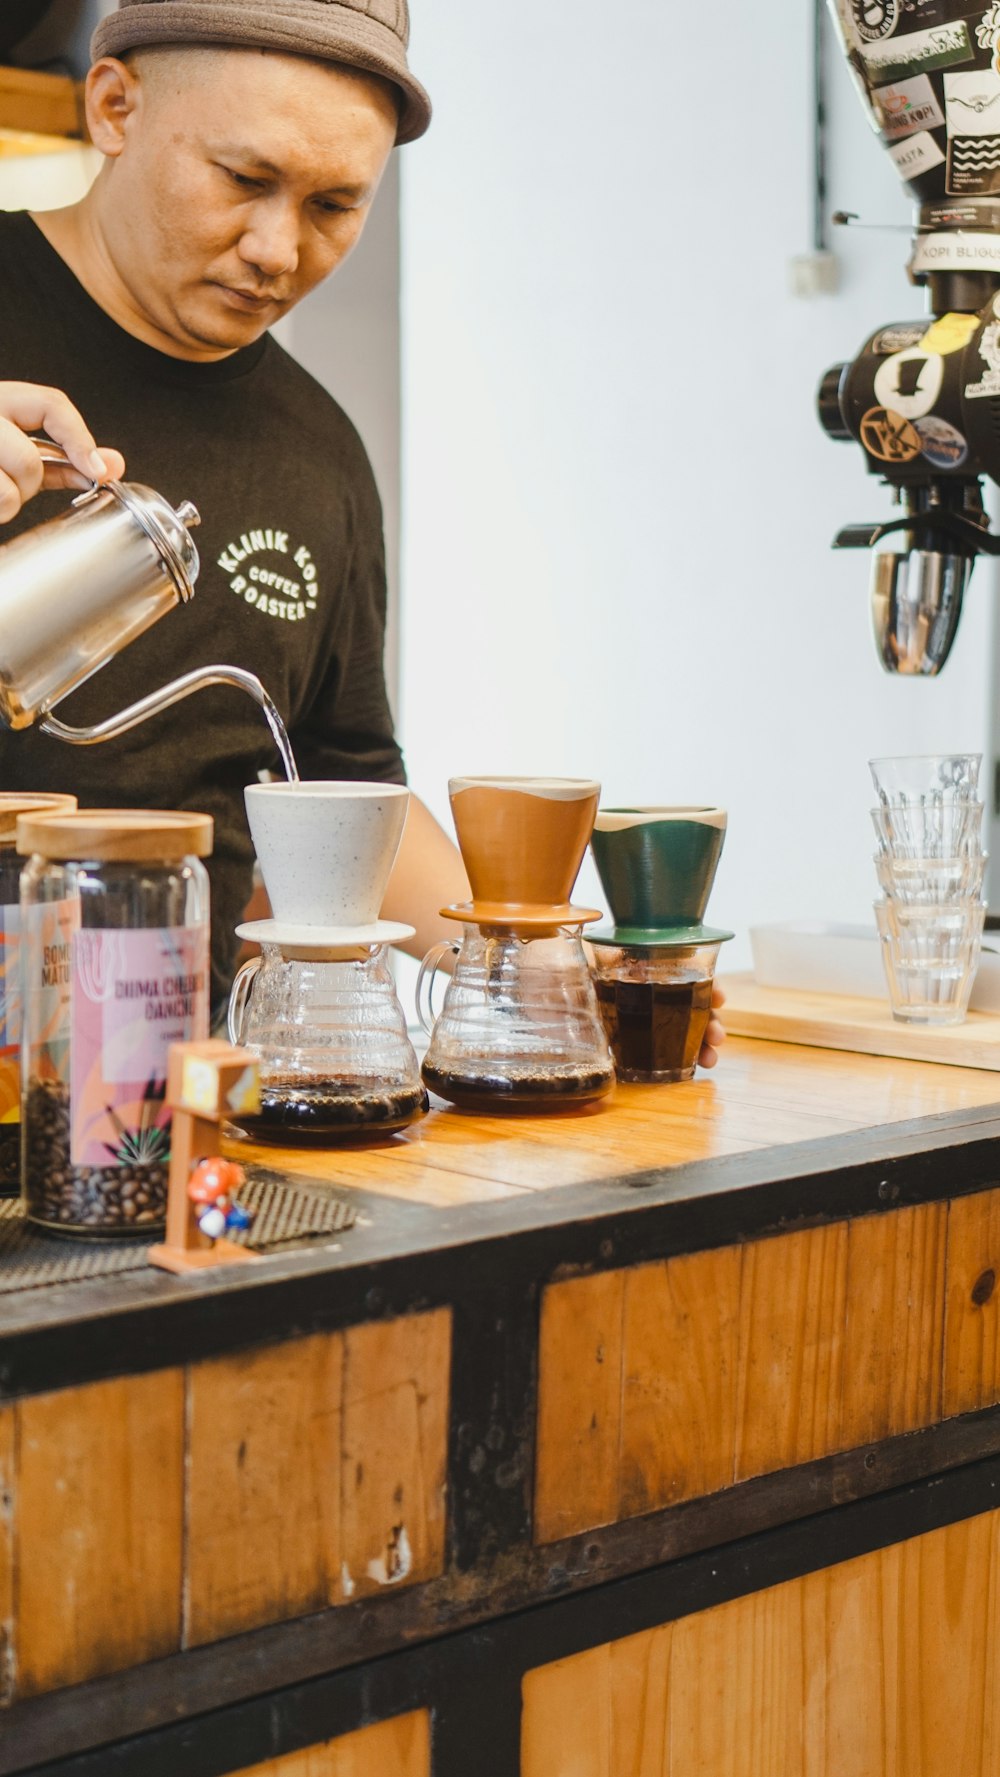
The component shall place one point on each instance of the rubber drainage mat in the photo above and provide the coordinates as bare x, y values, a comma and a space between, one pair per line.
285, 1215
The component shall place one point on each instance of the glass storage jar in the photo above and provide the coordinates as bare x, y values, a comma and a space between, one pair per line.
12, 804
115, 936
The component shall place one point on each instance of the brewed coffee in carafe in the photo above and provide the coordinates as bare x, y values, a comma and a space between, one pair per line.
519, 1025
330, 1038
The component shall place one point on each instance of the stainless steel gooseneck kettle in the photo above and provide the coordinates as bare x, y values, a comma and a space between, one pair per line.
77, 589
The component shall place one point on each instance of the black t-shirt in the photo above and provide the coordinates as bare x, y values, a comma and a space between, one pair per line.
292, 582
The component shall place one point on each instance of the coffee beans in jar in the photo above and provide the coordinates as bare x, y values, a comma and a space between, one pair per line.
12, 804
116, 951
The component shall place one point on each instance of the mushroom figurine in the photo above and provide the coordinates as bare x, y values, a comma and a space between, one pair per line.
212, 1187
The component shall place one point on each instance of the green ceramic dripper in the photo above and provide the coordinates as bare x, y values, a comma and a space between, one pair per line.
657, 867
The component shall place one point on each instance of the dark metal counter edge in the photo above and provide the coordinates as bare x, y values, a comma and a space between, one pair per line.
407, 1256
801, 1518
471, 1682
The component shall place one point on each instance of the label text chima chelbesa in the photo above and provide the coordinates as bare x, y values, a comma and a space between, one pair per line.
173, 996
288, 590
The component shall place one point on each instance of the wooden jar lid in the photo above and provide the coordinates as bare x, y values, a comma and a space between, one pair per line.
17, 802
126, 835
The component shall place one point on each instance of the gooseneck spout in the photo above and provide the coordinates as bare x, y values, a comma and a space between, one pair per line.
151, 705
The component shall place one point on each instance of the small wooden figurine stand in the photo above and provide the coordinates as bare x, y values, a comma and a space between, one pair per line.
206, 1082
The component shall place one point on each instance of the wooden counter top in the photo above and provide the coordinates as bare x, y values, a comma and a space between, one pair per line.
774, 1136
761, 1095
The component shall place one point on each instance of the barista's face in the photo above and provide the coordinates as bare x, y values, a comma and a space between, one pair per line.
237, 181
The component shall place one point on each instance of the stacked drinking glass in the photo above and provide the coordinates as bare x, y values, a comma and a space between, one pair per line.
930, 865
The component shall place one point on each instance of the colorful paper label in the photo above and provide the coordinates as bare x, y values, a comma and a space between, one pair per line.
133, 994
916, 155
10, 1015
46, 934
906, 107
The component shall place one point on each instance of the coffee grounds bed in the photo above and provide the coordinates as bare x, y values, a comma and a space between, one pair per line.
285, 1216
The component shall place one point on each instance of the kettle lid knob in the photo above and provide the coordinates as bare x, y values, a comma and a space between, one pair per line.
188, 514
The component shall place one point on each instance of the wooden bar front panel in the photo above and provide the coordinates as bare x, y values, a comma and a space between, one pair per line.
264, 1436
99, 1520
400, 1747
669, 1381
152, 1513
885, 1666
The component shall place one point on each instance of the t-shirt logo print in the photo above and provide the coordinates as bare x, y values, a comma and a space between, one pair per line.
272, 574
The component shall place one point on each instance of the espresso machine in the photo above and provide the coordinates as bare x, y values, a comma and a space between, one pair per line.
922, 398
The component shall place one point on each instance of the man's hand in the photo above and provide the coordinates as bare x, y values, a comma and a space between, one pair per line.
715, 1035
29, 407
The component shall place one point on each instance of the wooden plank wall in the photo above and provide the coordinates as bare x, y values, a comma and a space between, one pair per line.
400, 1747
668, 1381
49, 104
885, 1666
151, 1513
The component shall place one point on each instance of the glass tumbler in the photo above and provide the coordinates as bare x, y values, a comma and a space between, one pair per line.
656, 1004
927, 778
946, 830
930, 955
930, 881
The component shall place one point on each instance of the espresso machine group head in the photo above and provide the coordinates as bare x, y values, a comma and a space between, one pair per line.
922, 398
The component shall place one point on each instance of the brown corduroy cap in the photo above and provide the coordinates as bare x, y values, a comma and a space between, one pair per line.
371, 35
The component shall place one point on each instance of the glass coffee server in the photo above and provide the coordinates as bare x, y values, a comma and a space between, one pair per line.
519, 1025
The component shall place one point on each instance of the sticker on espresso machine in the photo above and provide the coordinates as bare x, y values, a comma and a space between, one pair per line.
941, 443
909, 382
988, 386
916, 155
906, 107
988, 32
889, 437
949, 333
898, 337
919, 52
972, 110
875, 19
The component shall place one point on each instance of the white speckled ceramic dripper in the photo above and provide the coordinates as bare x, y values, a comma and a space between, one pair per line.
326, 849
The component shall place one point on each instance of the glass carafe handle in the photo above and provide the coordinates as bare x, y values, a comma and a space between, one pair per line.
239, 997
428, 971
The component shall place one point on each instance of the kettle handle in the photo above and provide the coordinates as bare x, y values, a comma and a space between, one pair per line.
428, 972
54, 453
239, 997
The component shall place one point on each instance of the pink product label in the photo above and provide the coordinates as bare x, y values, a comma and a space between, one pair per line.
10, 977
46, 935
10, 1015
133, 994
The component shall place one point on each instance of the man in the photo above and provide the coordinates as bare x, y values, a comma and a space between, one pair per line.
243, 146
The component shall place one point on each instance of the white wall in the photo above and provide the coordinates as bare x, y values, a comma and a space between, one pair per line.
618, 501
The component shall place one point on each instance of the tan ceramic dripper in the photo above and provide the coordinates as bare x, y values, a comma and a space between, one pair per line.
522, 840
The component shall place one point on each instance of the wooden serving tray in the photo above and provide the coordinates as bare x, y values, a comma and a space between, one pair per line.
864, 1026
